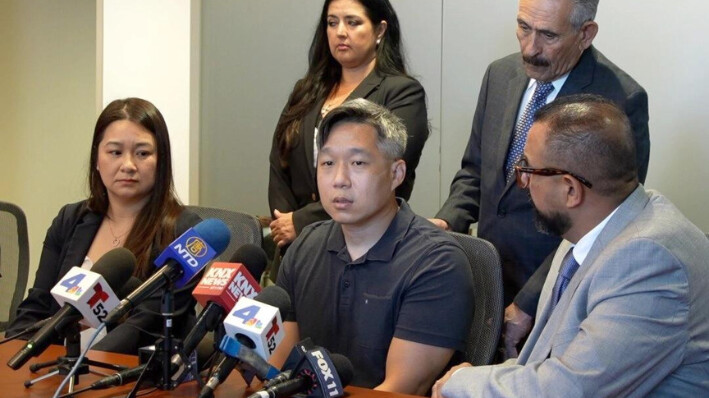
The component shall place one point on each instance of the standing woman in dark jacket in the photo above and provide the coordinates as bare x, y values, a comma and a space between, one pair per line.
132, 204
355, 53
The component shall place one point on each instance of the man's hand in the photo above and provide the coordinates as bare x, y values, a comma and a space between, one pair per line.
438, 385
282, 228
517, 325
442, 224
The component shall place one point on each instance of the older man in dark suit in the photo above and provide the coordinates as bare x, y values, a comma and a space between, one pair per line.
556, 60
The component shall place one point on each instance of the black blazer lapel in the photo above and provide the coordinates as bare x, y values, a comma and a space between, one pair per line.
80, 241
369, 84
307, 129
312, 119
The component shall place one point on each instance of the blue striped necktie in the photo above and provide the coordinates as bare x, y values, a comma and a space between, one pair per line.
567, 271
539, 99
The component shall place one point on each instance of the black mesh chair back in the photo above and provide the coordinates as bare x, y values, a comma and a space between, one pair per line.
487, 282
244, 228
14, 261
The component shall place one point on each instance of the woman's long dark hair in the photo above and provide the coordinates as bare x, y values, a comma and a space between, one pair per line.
155, 224
324, 71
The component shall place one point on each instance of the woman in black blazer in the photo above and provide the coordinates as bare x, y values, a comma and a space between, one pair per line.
132, 204
355, 53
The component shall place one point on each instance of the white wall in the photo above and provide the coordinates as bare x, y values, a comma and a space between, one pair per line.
662, 46
150, 49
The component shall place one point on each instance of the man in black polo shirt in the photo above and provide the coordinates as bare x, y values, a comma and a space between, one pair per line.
377, 283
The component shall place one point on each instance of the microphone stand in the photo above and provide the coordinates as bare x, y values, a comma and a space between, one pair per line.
65, 363
159, 367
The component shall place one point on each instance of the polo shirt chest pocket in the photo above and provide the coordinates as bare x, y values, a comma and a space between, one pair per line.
374, 321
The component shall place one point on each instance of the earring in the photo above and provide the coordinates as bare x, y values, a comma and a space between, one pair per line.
379, 41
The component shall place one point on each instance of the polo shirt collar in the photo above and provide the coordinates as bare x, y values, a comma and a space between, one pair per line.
384, 249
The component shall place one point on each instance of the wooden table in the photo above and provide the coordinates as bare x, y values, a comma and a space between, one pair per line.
12, 382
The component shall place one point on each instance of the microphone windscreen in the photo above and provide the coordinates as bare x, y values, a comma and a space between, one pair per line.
116, 267
253, 258
275, 296
343, 367
128, 287
215, 233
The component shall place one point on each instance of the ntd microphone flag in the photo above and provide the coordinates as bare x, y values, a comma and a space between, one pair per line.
259, 322
224, 284
88, 292
192, 251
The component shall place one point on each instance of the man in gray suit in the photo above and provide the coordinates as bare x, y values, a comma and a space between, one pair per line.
555, 39
623, 311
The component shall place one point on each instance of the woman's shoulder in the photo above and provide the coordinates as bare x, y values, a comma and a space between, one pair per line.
395, 87
72, 211
68, 217
400, 81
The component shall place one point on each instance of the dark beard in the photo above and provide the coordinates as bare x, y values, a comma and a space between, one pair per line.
555, 224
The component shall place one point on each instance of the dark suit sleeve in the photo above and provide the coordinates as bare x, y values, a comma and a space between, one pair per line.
637, 110
39, 303
528, 298
463, 204
144, 323
408, 101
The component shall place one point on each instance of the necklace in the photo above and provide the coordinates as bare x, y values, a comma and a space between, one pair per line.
116, 238
335, 100
325, 109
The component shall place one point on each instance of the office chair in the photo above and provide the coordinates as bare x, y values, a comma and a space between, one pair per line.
14, 260
244, 228
487, 283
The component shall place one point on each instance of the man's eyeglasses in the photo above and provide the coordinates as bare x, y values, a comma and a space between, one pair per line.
522, 171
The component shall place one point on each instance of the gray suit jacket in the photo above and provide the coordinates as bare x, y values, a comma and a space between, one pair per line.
503, 211
633, 322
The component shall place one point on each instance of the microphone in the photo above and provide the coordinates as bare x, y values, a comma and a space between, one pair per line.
218, 291
259, 320
129, 375
126, 289
117, 379
253, 330
253, 257
82, 294
30, 329
237, 355
179, 262
277, 379
318, 375
132, 284
294, 358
